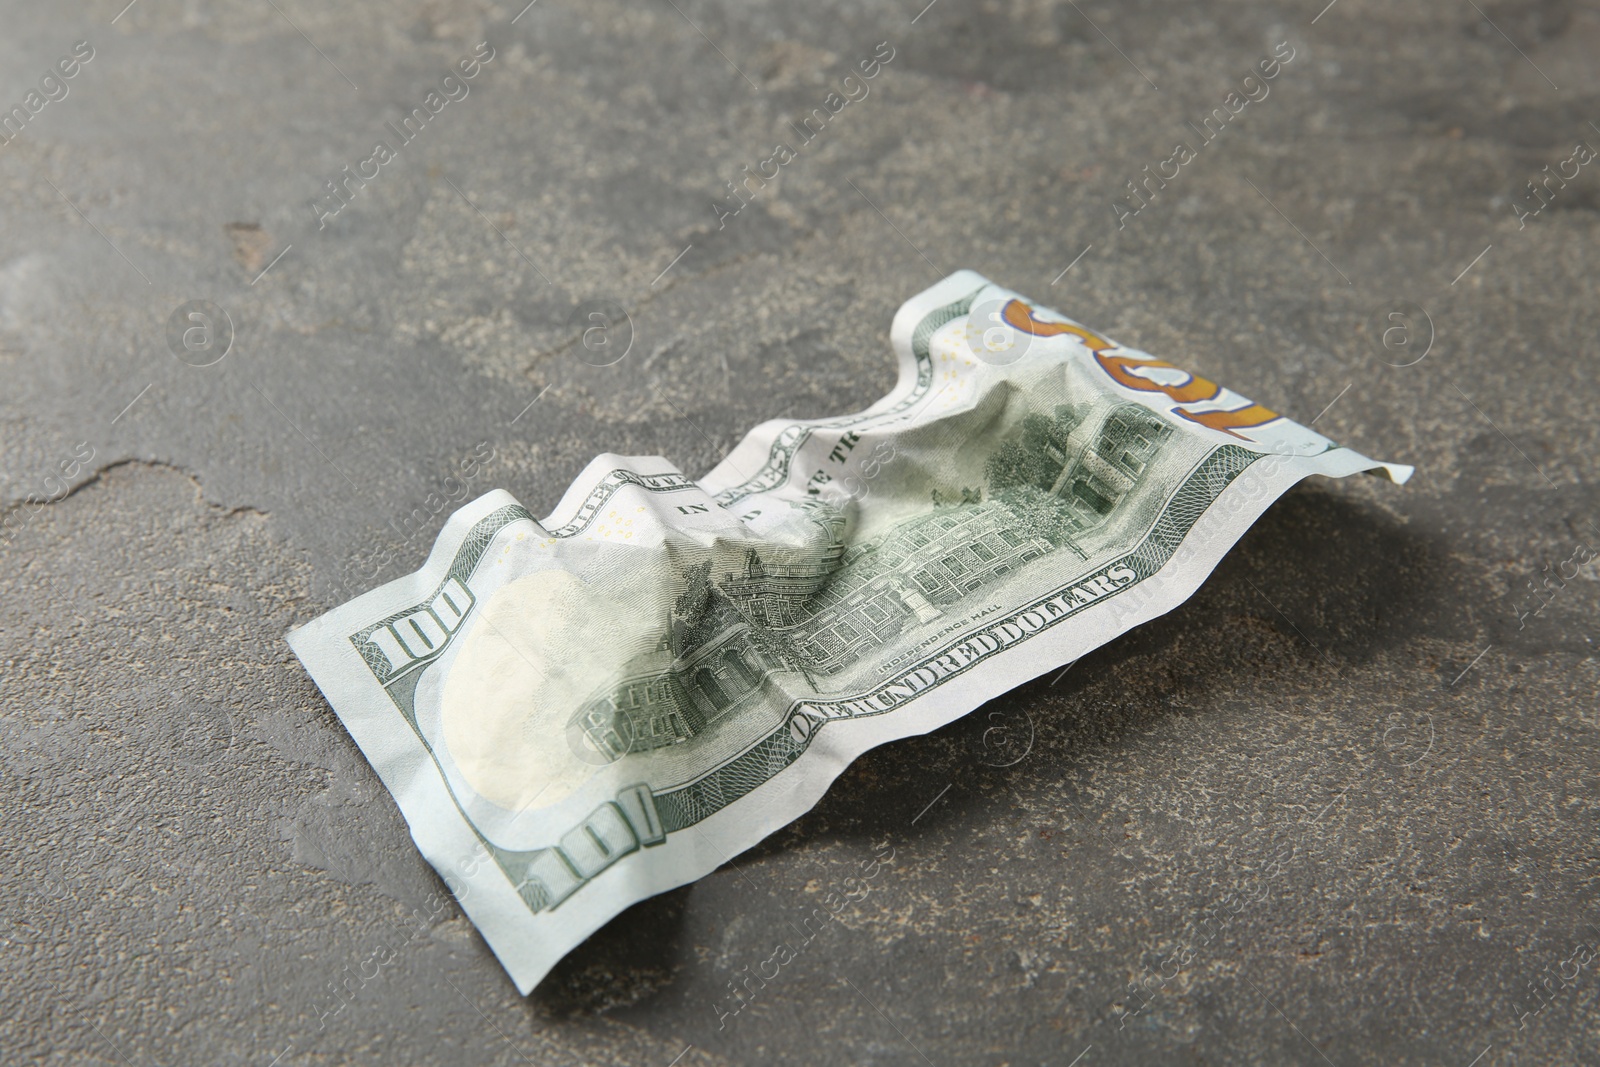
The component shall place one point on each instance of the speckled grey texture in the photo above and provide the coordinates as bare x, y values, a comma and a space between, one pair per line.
1339, 808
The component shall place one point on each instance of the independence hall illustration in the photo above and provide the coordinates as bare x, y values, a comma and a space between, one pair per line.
819, 609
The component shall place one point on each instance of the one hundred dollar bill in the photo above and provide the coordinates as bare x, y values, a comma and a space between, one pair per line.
577, 712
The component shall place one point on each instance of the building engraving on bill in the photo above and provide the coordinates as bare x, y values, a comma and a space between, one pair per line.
820, 609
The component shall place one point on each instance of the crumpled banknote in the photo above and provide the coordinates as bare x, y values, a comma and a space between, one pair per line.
580, 711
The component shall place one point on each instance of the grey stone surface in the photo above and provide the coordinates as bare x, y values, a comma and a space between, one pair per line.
1341, 807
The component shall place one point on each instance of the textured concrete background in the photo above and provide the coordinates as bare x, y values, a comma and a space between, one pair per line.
1340, 808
